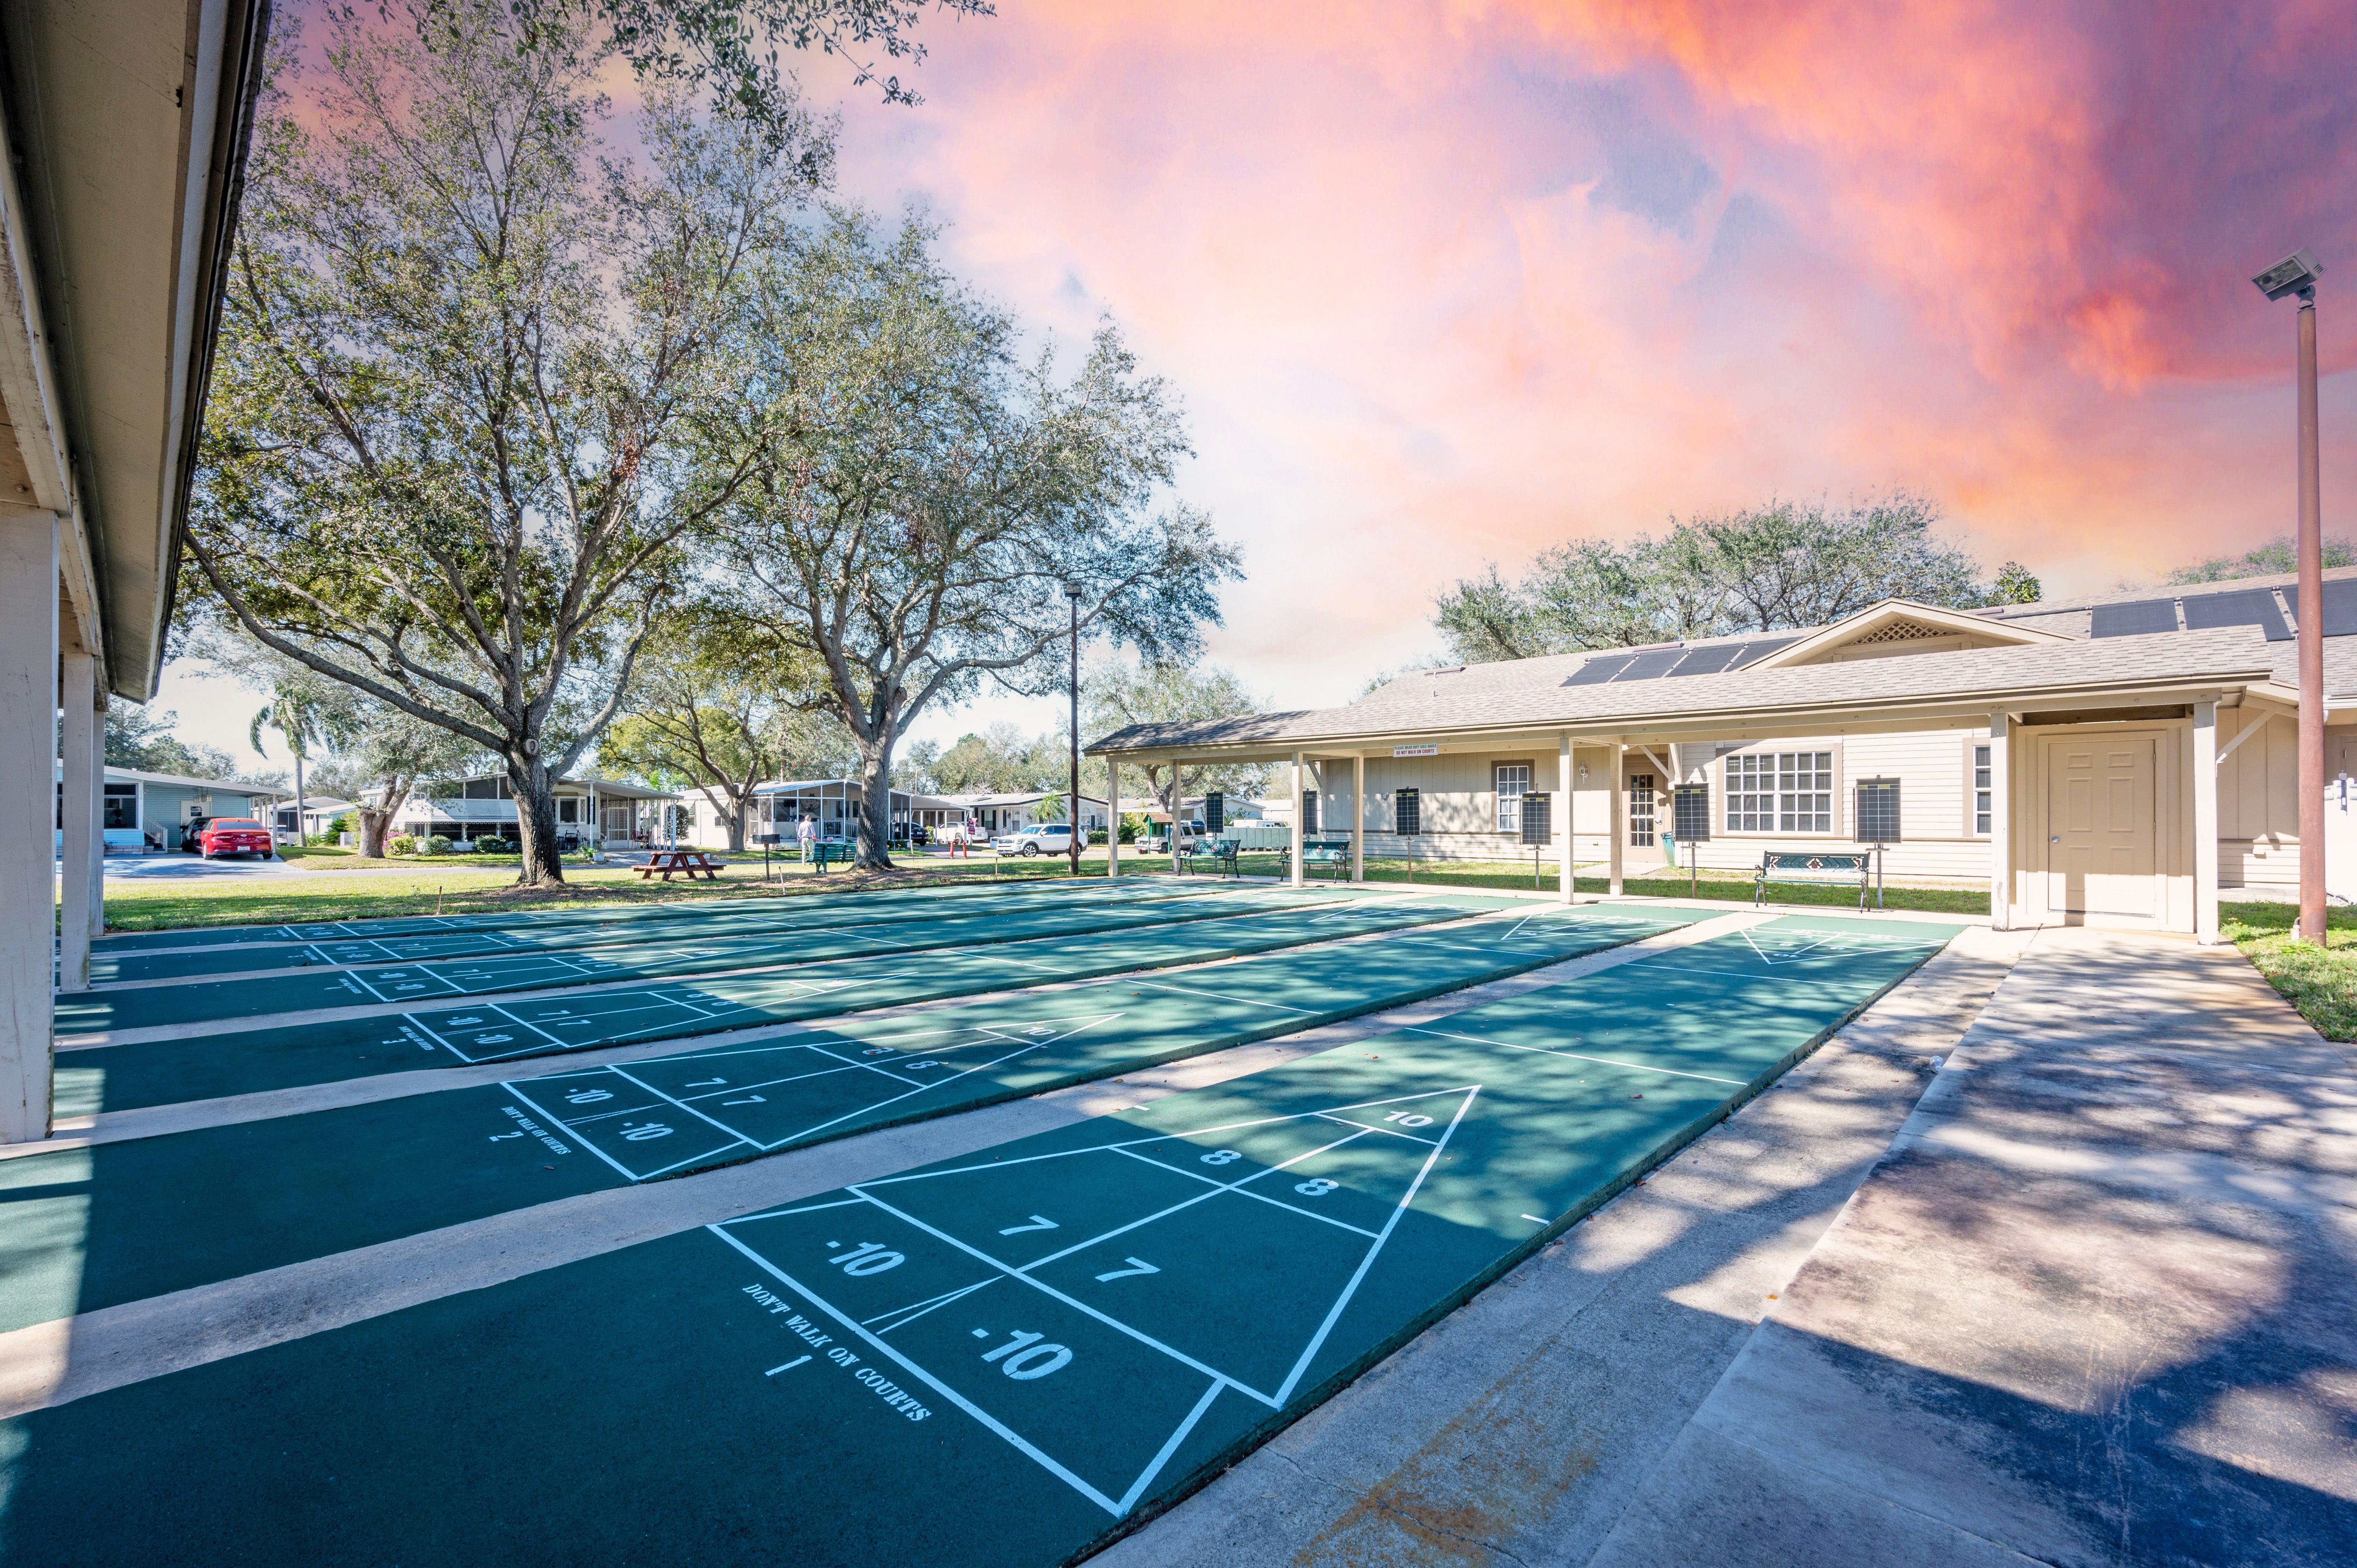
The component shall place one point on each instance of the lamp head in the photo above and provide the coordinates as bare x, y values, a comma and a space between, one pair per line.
1072, 588
2295, 273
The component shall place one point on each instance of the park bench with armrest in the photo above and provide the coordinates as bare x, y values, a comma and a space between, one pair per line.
1332, 854
833, 852
1221, 852
1818, 868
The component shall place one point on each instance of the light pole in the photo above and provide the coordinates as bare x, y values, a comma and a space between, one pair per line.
1073, 800
2296, 275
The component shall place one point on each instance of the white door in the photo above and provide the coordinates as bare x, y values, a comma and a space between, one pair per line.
2102, 841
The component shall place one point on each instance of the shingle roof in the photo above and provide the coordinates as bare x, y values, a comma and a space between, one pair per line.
2228, 653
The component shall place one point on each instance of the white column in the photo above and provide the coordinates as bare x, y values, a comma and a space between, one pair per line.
1113, 817
28, 710
1295, 856
1613, 819
2001, 821
2205, 822
1563, 816
80, 794
1359, 816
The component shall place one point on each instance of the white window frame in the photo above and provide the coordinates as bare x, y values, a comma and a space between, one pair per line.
1649, 822
1734, 768
1508, 812
1979, 786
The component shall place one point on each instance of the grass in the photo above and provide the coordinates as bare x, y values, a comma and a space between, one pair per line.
1733, 887
2320, 982
457, 885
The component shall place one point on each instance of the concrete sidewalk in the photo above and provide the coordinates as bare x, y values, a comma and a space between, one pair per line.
2097, 1305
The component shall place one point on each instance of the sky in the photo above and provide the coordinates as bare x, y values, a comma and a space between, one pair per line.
1441, 284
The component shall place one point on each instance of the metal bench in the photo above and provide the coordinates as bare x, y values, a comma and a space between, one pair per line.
833, 852
1816, 868
1221, 852
1333, 854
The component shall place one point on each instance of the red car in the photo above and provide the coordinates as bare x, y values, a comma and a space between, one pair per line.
236, 835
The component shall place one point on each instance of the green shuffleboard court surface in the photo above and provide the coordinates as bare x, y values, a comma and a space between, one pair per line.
192, 1208
217, 1063
558, 934
607, 914
215, 1001
996, 1361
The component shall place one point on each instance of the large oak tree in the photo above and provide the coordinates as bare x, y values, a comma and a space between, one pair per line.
445, 458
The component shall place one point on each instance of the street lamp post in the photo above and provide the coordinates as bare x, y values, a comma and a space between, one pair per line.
2296, 275
1073, 800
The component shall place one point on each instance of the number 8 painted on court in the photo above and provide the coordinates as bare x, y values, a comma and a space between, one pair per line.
1315, 1187
1221, 1157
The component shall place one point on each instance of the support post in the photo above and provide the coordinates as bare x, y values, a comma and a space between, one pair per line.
79, 792
1359, 816
1563, 819
1615, 820
2205, 823
2001, 821
1113, 818
2311, 643
28, 793
1295, 856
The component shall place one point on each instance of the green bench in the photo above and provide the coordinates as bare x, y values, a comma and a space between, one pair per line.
833, 852
1332, 854
1221, 852
1816, 868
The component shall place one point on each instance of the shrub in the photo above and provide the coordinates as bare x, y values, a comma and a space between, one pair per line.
401, 843
495, 846
437, 844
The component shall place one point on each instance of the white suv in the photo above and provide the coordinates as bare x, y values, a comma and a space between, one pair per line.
1038, 839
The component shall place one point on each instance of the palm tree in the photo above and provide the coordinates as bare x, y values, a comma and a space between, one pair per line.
295, 714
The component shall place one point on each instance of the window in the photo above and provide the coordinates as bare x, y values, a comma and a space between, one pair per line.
1407, 812
122, 805
1512, 780
1781, 792
568, 807
1641, 809
1310, 810
1981, 813
1877, 810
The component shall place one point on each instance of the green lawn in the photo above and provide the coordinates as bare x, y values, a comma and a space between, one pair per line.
2321, 984
377, 889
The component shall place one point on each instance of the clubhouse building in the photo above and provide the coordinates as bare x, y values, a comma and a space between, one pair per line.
2115, 761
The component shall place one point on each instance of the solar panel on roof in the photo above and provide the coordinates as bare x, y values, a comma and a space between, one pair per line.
2243, 607
2340, 606
1752, 653
1708, 661
1650, 666
1596, 672
2136, 620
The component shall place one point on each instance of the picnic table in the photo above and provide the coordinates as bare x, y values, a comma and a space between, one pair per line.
685, 863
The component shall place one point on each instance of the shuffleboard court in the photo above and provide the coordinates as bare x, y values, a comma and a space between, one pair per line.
187, 1209
215, 1001
768, 918
996, 1361
213, 1064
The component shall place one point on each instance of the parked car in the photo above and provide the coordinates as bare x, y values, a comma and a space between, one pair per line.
1038, 839
235, 835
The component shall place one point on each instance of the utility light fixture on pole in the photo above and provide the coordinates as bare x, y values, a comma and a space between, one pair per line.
1072, 810
2296, 275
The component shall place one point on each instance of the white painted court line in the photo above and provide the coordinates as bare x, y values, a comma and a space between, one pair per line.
1575, 1055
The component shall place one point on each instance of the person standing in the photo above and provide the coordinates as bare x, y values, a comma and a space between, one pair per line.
805, 834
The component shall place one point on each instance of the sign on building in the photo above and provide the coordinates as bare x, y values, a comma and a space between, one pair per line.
1428, 749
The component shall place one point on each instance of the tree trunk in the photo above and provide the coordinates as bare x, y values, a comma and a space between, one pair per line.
376, 821
536, 824
739, 808
876, 821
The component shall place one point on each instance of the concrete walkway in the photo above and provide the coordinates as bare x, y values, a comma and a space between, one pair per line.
1517, 1429
2097, 1305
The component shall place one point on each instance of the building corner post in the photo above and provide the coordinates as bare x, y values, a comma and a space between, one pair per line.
2205, 823
1358, 816
79, 826
28, 798
2001, 821
1563, 819
1294, 878
1614, 822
